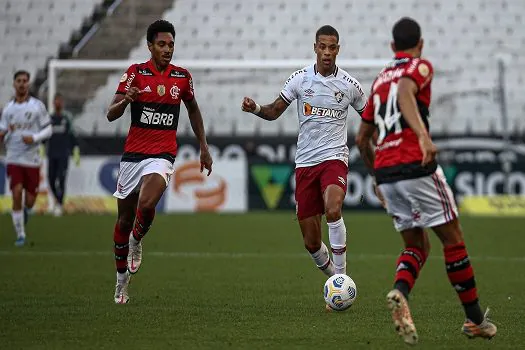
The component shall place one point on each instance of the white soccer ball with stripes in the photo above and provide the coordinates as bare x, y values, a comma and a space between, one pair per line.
340, 292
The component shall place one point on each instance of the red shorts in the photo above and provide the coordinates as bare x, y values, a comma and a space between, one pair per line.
28, 176
311, 182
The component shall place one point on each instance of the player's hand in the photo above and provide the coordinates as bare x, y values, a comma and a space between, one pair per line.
132, 94
28, 140
206, 161
379, 196
248, 105
428, 149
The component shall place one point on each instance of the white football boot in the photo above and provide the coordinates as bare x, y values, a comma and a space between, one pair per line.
134, 255
401, 316
121, 290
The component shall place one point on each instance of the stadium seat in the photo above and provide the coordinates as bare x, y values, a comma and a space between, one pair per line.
461, 39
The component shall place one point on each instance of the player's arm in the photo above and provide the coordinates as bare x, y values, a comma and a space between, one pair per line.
197, 125
121, 101
406, 97
364, 140
269, 112
3, 127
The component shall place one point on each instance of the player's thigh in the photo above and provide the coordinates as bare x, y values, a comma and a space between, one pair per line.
156, 176
311, 231
15, 174
63, 164
31, 180
431, 199
308, 194
128, 179
397, 206
333, 179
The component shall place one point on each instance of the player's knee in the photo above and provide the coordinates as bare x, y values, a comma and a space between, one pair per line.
333, 213
147, 204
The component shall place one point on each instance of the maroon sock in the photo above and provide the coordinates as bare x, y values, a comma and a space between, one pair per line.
121, 249
143, 221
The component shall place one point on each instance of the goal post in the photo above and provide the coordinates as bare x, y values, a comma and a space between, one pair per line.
55, 66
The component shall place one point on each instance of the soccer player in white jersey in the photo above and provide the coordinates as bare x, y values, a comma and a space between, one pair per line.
324, 93
24, 124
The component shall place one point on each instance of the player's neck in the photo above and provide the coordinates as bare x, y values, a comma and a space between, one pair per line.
325, 72
412, 52
21, 98
159, 68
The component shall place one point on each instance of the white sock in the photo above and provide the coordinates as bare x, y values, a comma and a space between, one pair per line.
122, 277
322, 260
132, 240
18, 223
337, 236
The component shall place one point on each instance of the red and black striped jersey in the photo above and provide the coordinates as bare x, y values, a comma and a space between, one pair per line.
155, 113
398, 156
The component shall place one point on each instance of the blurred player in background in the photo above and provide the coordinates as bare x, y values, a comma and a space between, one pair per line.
60, 146
324, 93
411, 182
155, 90
24, 124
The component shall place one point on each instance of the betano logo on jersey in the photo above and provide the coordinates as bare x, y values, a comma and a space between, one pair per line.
150, 117
308, 109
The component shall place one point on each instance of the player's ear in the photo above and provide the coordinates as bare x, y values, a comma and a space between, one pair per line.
315, 47
393, 46
420, 45
150, 47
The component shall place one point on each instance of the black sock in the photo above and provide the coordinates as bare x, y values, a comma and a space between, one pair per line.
473, 312
403, 287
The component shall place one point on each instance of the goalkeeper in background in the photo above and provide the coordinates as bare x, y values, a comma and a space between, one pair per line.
60, 146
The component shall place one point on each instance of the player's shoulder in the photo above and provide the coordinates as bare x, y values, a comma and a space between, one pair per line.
36, 102
9, 104
300, 74
178, 72
423, 66
351, 82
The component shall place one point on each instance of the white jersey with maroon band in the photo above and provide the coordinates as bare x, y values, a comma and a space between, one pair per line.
322, 107
19, 120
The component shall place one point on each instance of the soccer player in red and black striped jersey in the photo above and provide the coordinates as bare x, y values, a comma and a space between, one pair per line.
154, 90
412, 184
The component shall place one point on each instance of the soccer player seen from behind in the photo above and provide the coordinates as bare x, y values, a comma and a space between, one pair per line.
411, 182
324, 93
155, 90
24, 124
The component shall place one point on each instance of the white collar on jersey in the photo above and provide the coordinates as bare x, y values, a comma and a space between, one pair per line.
334, 73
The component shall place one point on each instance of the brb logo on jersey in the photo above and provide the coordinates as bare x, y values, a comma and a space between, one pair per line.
150, 117
308, 110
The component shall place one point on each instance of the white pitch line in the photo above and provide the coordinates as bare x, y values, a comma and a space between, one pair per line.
231, 255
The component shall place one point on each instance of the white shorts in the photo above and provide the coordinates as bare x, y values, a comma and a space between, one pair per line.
422, 202
130, 174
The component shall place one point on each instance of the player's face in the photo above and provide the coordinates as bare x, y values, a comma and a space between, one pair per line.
326, 49
59, 103
162, 49
21, 84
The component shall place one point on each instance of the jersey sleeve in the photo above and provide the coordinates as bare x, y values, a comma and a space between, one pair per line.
126, 80
189, 93
420, 71
359, 100
43, 116
290, 91
368, 114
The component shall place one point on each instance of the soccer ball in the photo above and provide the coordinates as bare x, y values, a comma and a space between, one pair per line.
340, 292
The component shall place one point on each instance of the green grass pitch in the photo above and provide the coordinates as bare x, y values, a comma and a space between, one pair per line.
242, 281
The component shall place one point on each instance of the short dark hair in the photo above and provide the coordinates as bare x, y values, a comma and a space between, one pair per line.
406, 33
159, 26
58, 95
326, 30
21, 72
